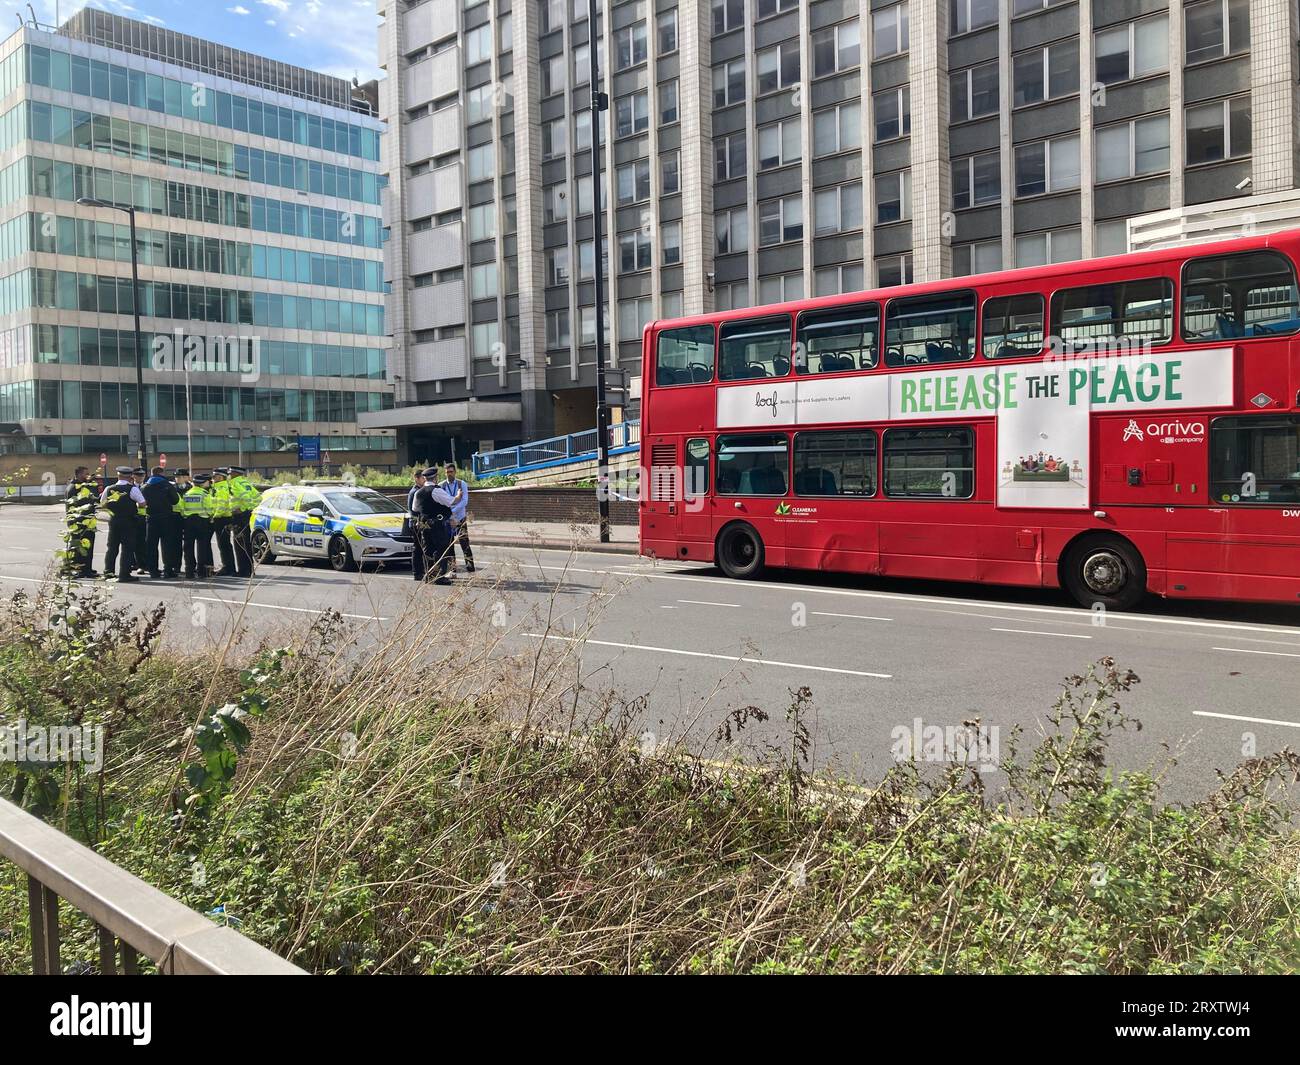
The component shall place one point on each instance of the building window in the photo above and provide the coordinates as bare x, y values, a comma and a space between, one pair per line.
833, 280
673, 304
555, 138
485, 340
1129, 149
1045, 73
894, 270
483, 222
670, 173
977, 180
893, 197
780, 221
838, 210
1219, 130
837, 129
557, 329
729, 83
732, 297
1110, 238
581, 131
666, 26
1132, 50
632, 114
552, 15
889, 31
478, 45
728, 15
1047, 166
768, 8
634, 251
970, 15
630, 45
632, 182
633, 317
671, 239
555, 203
836, 48
779, 144
893, 111
732, 230
1051, 246
781, 288
1217, 28
557, 266
668, 113
1028, 7
729, 157
553, 71
973, 92
777, 67
981, 258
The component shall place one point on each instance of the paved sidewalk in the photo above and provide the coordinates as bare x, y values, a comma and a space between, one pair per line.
552, 534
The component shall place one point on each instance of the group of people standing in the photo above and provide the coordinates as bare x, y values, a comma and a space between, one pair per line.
161, 526
437, 514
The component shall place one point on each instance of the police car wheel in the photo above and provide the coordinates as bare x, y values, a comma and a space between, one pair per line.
262, 553
341, 555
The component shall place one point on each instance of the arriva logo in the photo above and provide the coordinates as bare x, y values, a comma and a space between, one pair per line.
1132, 430
1176, 429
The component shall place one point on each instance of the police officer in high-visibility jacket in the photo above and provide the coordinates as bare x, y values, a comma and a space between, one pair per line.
222, 511
244, 499
196, 512
123, 501
142, 563
80, 504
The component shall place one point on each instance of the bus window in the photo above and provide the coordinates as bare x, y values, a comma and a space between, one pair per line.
1095, 316
842, 338
930, 463
1231, 297
697, 468
752, 464
929, 329
684, 356
1013, 325
1255, 459
759, 348
835, 463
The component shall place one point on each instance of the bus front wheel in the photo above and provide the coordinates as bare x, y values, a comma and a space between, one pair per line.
740, 551
1106, 571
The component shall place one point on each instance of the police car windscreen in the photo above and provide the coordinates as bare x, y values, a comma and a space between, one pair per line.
362, 503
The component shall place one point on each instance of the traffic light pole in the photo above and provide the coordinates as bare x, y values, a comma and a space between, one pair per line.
599, 103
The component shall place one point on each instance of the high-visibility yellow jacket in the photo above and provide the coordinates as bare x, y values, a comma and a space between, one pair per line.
222, 503
243, 495
197, 502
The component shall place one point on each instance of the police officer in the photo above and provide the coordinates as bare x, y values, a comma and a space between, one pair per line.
174, 545
243, 499
196, 510
431, 511
79, 506
123, 501
160, 497
222, 510
142, 561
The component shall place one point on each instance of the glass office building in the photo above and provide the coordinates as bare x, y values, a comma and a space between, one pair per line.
256, 187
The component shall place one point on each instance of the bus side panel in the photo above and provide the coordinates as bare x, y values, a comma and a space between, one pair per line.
1234, 565
925, 548
835, 544
1010, 554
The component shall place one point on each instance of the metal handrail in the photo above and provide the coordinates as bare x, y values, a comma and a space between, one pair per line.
556, 450
132, 917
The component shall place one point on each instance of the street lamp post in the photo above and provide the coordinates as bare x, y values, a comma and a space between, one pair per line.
238, 434
142, 455
599, 103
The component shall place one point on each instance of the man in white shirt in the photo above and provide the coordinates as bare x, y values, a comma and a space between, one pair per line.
459, 492
123, 500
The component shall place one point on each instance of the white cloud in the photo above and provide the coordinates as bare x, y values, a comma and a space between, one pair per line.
239, 9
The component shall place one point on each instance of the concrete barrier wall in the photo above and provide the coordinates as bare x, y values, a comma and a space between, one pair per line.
551, 503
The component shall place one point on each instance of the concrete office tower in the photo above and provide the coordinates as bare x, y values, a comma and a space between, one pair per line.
763, 150
256, 186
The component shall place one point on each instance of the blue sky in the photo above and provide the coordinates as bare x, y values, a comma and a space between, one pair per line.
333, 36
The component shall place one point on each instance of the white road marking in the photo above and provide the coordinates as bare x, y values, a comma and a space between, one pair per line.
25, 580
1036, 632
1275, 643
1250, 651
706, 654
274, 606
856, 617
702, 602
805, 589
1254, 720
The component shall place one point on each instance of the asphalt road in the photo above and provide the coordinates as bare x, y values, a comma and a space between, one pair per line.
1218, 681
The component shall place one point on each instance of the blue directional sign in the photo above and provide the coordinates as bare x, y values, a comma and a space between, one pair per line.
309, 449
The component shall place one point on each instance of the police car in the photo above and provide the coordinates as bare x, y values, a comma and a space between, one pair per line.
342, 523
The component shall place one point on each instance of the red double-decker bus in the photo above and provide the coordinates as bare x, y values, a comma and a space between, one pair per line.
1114, 427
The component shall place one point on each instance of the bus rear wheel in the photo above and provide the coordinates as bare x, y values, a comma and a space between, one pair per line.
1107, 571
740, 552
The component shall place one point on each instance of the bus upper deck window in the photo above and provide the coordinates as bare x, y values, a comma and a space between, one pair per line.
930, 329
839, 339
1013, 326
684, 356
1096, 316
1236, 297
755, 348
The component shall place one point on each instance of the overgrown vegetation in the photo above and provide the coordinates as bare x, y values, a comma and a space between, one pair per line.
455, 800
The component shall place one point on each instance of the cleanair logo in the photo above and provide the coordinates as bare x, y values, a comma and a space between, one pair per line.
134, 1019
